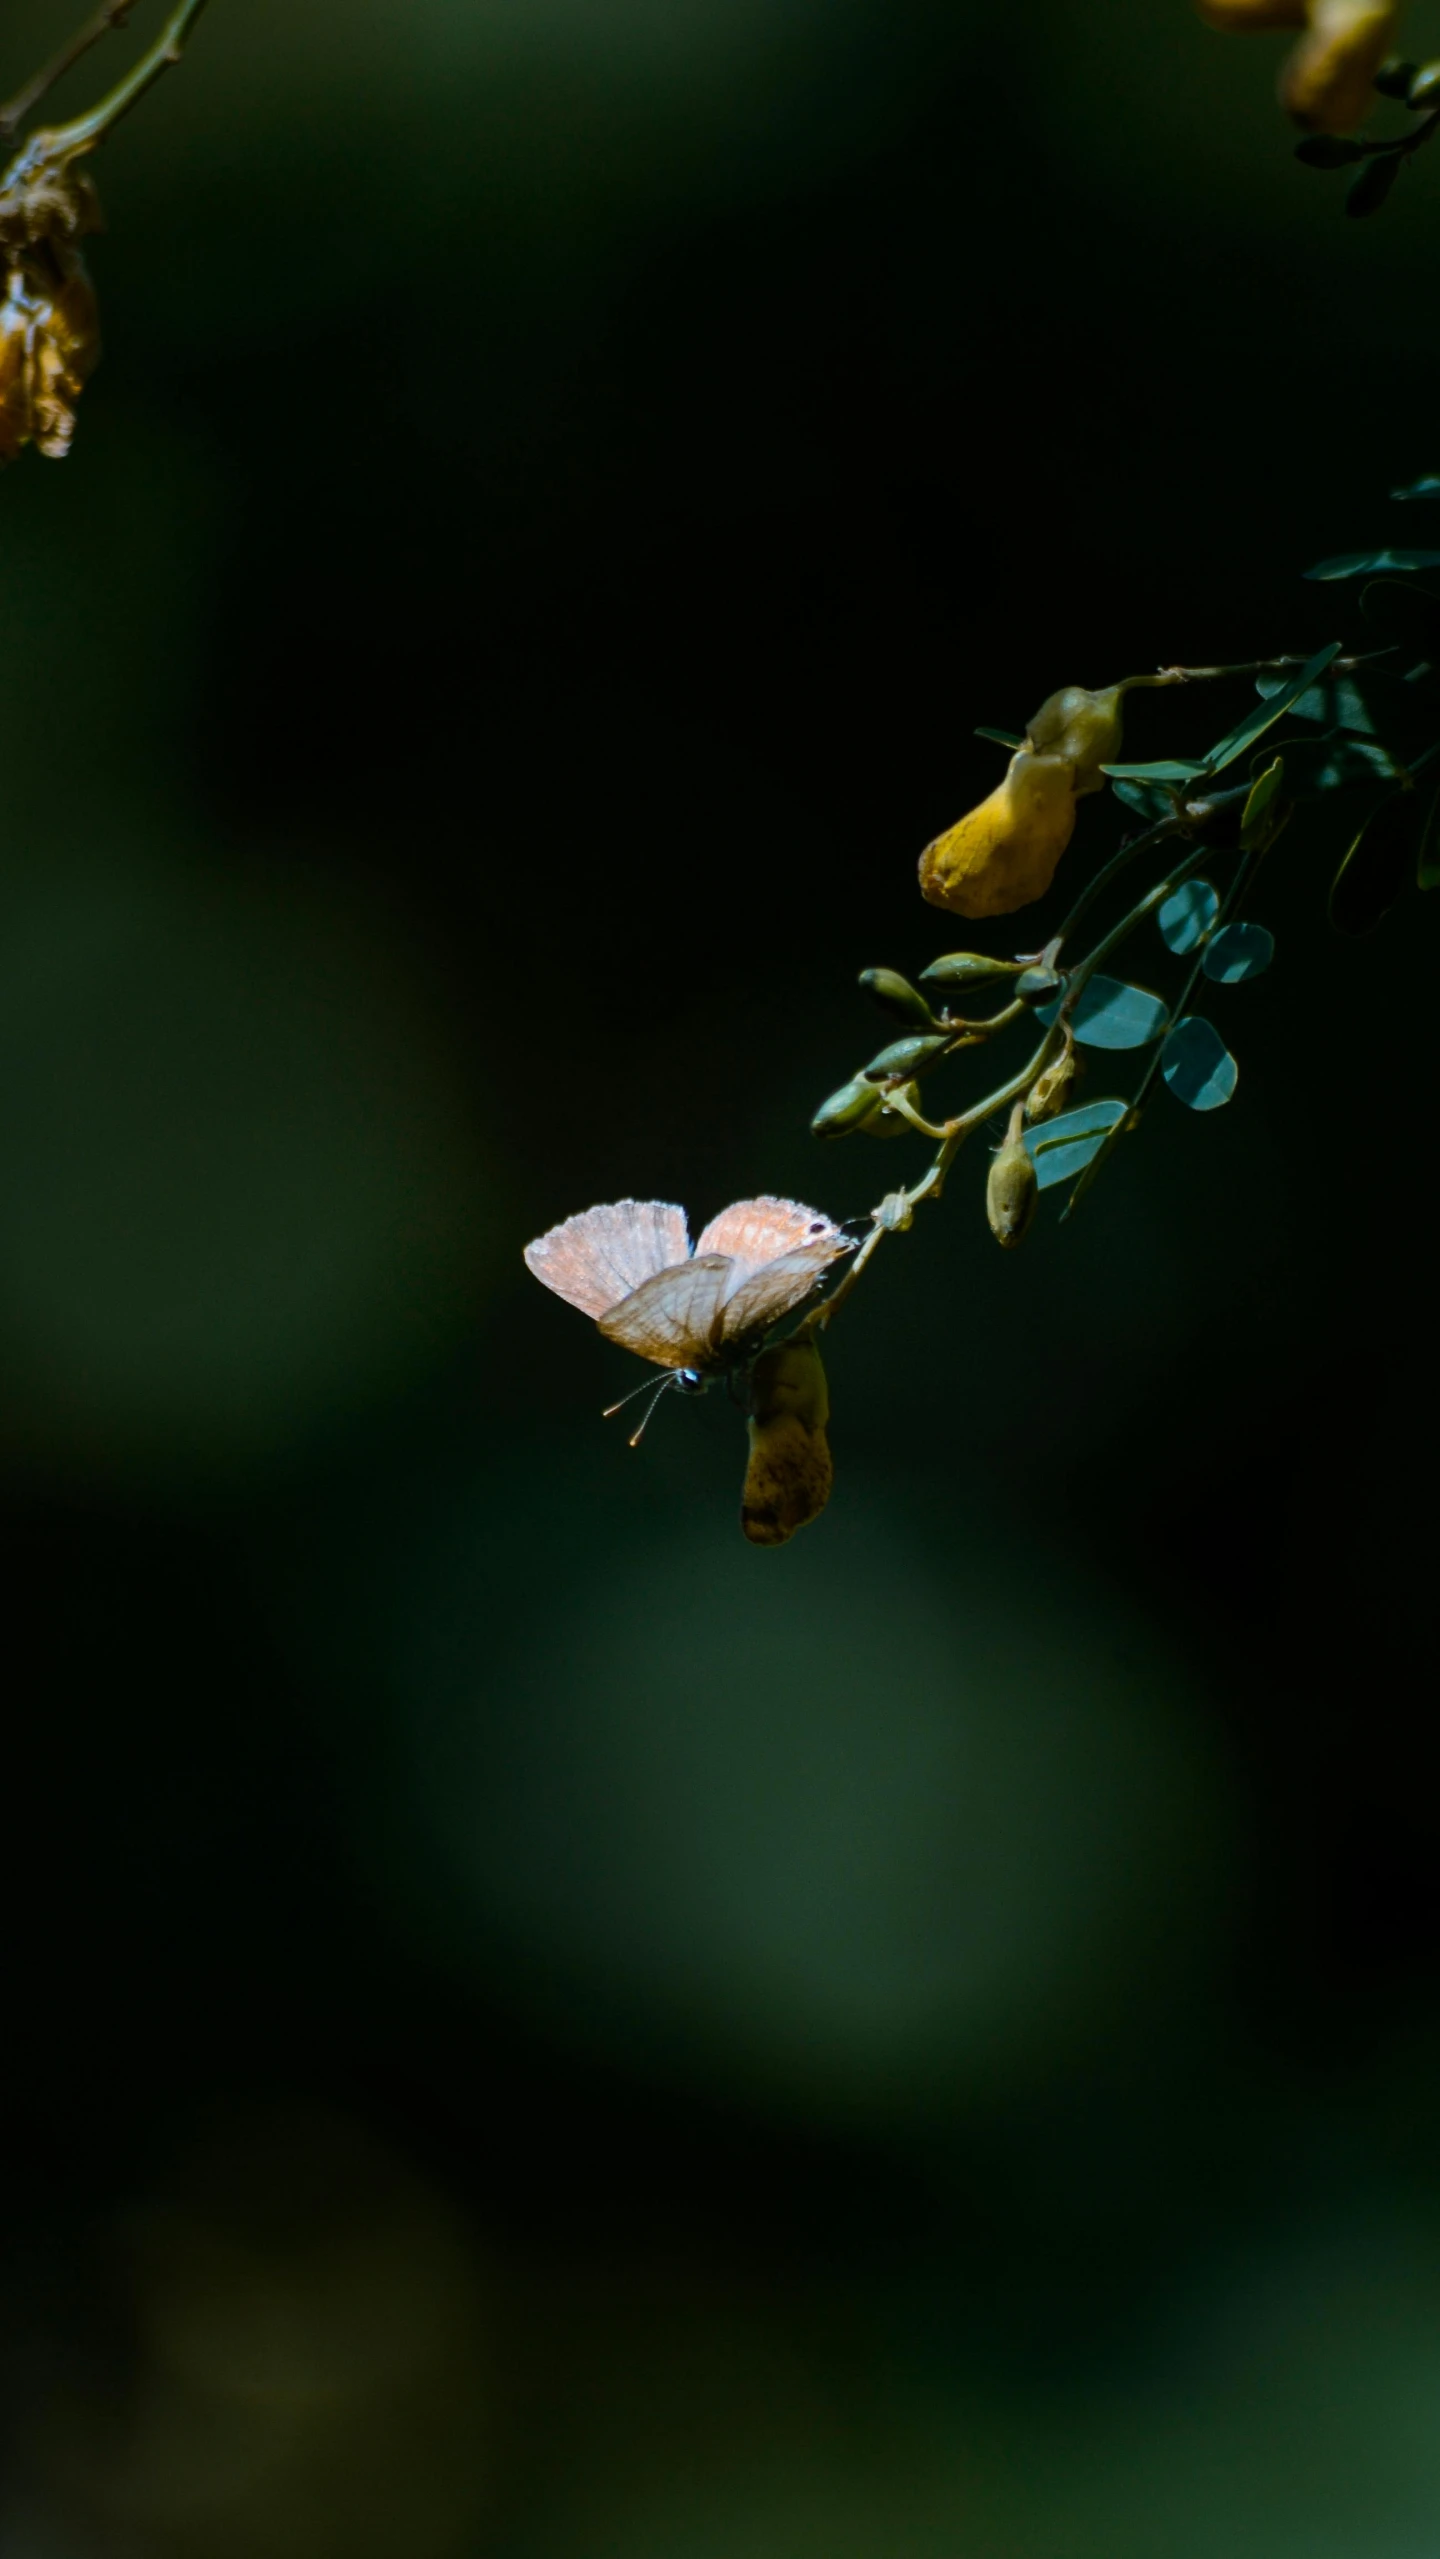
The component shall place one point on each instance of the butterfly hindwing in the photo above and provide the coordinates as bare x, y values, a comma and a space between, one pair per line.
674, 1318
777, 1288
604, 1254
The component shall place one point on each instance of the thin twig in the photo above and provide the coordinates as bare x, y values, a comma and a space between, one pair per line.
112, 14
67, 141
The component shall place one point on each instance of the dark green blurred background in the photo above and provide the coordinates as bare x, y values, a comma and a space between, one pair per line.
530, 2028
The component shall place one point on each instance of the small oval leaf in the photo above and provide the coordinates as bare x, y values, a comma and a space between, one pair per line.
1062, 1163
1429, 486
1240, 951
1109, 1014
1092, 1119
1187, 915
1197, 1065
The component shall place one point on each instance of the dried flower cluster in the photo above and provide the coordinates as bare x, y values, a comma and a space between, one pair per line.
49, 320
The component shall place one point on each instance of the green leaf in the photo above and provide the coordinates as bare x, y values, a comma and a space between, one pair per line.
1378, 864
1187, 915
1002, 737
1313, 705
1367, 564
1171, 770
1238, 952
1062, 1148
1428, 487
1109, 1014
1263, 792
1146, 799
1370, 187
1197, 1065
1427, 864
1339, 702
1332, 763
1266, 713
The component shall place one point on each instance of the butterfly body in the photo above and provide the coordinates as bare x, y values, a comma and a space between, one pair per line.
699, 1313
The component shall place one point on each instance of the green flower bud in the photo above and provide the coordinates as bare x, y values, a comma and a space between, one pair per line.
903, 1057
895, 995
1038, 985
969, 968
1424, 89
849, 1109
1013, 1189
887, 1122
1394, 77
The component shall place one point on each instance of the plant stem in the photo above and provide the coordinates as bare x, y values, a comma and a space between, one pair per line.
67, 141
111, 14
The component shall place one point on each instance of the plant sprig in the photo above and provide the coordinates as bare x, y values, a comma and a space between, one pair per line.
1196, 819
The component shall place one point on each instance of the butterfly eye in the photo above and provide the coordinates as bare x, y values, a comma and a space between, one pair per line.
689, 1381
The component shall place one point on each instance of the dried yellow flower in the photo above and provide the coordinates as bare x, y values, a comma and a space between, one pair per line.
49, 320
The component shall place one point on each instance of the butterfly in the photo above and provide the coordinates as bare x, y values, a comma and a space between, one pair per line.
701, 1312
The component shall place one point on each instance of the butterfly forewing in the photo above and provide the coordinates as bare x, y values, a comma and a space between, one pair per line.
605, 1254
782, 1285
758, 1231
674, 1318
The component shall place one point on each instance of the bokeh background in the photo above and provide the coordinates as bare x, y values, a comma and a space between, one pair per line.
529, 2028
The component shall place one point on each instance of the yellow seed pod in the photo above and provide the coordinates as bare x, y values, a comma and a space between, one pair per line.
790, 1379
788, 1479
1251, 17
1012, 1190
1087, 729
1327, 82
1003, 854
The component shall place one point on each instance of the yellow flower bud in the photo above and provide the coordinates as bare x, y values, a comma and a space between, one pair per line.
1251, 17
1050, 1091
1087, 729
1003, 854
788, 1479
1328, 79
1013, 1188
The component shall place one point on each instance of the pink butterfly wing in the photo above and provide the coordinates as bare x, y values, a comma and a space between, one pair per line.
674, 1318
602, 1256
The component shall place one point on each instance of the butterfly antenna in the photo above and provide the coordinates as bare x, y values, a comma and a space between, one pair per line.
642, 1389
636, 1436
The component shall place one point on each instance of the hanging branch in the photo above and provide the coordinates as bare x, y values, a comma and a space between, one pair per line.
49, 323
68, 141
111, 16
